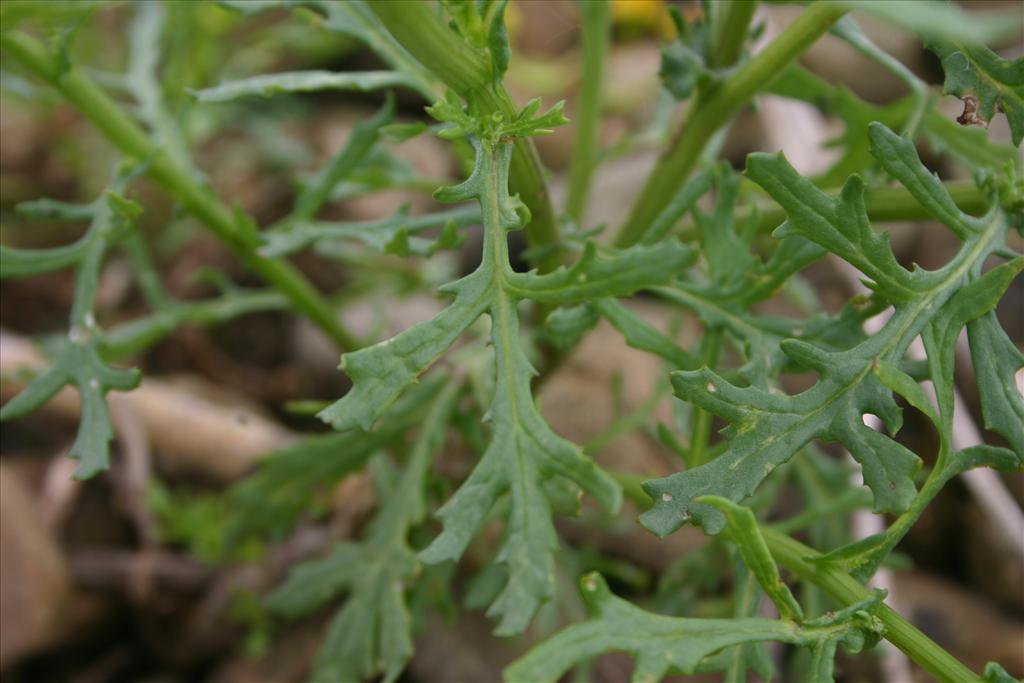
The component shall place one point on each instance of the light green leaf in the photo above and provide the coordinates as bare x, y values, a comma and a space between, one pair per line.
365, 134
966, 145
76, 359
267, 85
492, 129
995, 673
312, 584
269, 501
354, 19
143, 79
56, 210
497, 40
684, 200
131, 338
523, 452
79, 364
20, 263
746, 535
375, 234
1001, 459
371, 634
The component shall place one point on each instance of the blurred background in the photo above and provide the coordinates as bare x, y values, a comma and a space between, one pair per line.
126, 577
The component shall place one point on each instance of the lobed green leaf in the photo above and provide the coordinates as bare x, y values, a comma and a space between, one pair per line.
663, 644
992, 82
612, 273
766, 429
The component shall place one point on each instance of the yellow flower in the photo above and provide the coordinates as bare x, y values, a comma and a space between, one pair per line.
648, 15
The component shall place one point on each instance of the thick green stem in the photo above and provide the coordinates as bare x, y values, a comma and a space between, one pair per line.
465, 70
700, 440
841, 586
132, 141
587, 112
716, 107
731, 32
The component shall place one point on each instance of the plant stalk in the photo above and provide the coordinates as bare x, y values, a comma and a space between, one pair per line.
233, 229
465, 70
587, 112
700, 439
714, 108
731, 32
791, 554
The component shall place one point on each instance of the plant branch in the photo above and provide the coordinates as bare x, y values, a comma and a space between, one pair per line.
596, 24
421, 31
235, 230
794, 555
731, 32
714, 108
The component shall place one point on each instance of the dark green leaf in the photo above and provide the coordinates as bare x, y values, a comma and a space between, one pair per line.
597, 273
767, 428
671, 644
997, 361
684, 62
993, 82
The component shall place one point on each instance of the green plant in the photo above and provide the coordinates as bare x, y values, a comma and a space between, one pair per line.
717, 267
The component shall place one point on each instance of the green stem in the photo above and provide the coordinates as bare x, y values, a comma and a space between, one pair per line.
700, 440
731, 32
132, 141
714, 108
628, 422
134, 337
632, 487
596, 24
792, 555
465, 70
